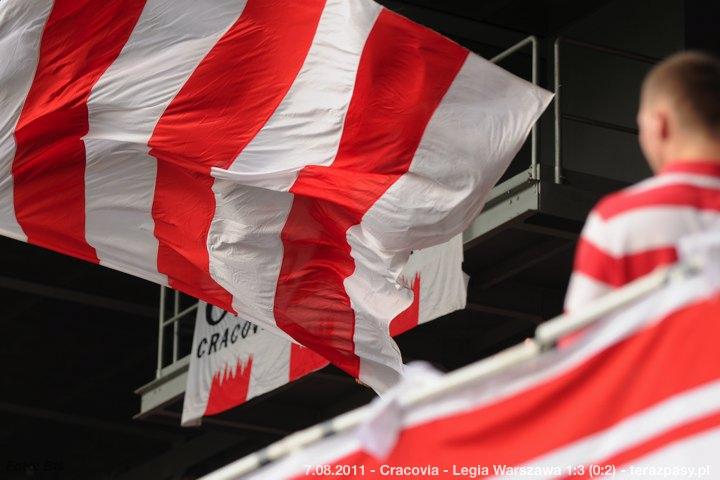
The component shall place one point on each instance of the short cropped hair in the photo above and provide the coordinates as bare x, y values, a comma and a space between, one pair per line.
691, 82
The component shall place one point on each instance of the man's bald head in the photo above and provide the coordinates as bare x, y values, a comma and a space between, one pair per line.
680, 108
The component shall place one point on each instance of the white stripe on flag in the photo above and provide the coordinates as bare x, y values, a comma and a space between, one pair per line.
274, 361
311, 116
694, 457
641, 427
245, 247
448, 290
374, 298
124, 107
21, 28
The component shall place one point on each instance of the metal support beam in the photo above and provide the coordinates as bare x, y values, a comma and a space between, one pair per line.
60, 293
165, 389
504, 312
557, 167
599, 123
509, 203
524, 260
549, 231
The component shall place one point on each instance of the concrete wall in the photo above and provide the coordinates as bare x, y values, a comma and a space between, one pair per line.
604, 87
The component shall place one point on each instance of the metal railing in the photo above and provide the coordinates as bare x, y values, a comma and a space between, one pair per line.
163, 323
533, 42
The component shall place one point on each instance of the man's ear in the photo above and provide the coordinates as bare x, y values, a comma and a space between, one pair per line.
662, 124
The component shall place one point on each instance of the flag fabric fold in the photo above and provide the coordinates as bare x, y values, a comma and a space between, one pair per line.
233, 360
638, 395
276, 159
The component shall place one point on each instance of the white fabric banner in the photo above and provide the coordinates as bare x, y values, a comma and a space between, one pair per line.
234, 360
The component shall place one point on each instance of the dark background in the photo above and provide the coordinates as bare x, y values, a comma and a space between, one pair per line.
77, 339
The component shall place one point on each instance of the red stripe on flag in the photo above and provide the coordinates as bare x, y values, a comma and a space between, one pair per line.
617, 271
81, 39
680, 432
222, 106
410, 317
303, 361
403, 75
656, 363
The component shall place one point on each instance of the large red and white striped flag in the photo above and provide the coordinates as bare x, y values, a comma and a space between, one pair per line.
638, 396
278, 159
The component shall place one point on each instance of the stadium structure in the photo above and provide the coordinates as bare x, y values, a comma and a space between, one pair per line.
94, 362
